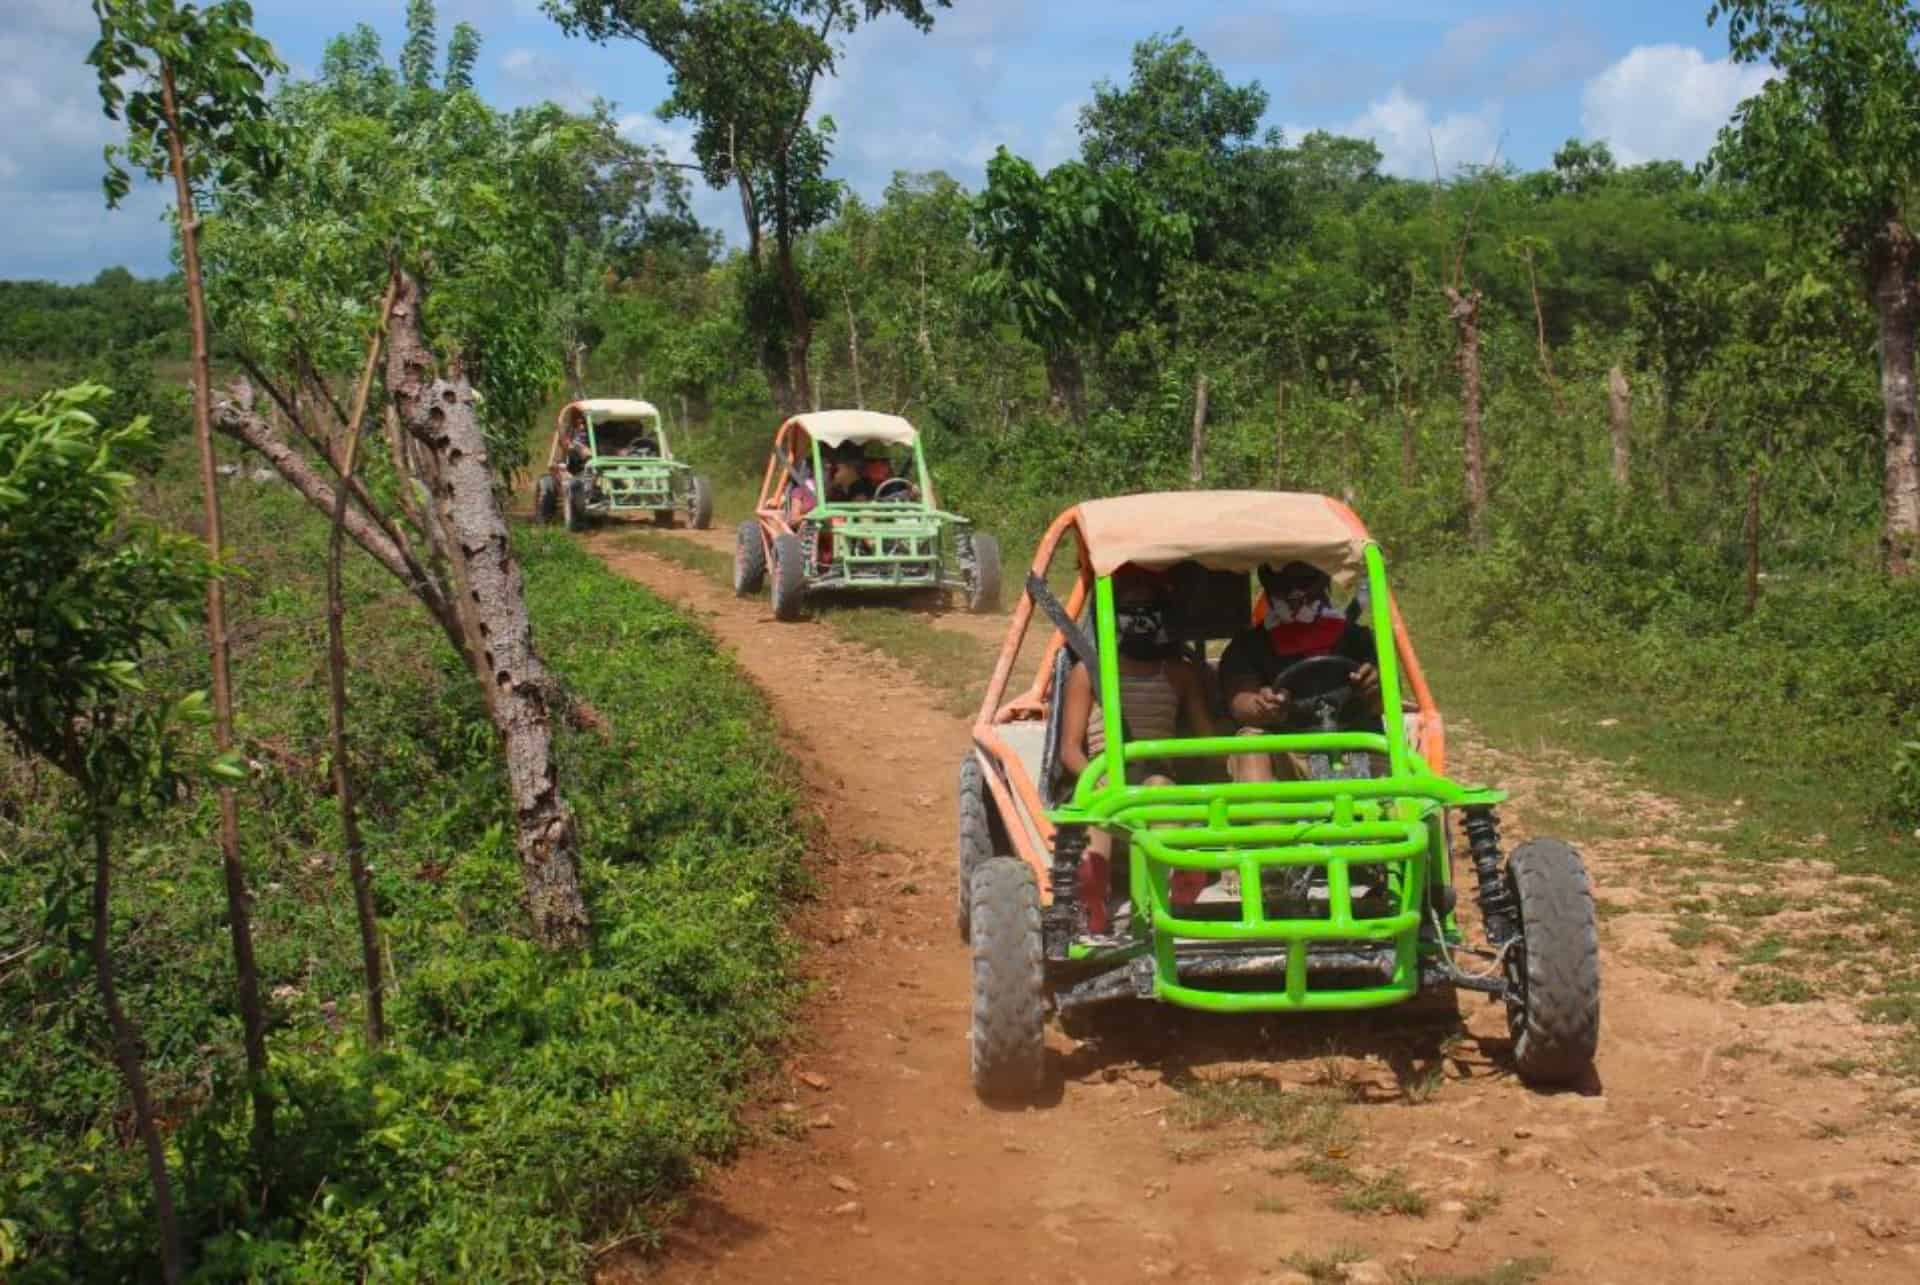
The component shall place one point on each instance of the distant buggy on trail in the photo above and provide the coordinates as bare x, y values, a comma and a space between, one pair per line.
846, 505
1112, 853
611, 456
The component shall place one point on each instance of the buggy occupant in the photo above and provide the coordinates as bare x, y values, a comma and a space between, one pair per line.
578, 450
1301, 623
643, 446
1157, 689
846, 480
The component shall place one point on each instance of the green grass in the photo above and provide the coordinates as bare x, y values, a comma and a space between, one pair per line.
1515, 1271
1281, 1117
529, 1106
1323, 1266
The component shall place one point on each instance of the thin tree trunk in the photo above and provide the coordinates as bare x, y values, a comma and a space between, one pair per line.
1464, 310
1751, 536
126, 1052
1896, 302
686, 421
1620, 425
1279, 434
343, 787
800, 338
577, 370
853, 351
239, 912
1197, 461
1540, 331
1066, 385
439, 415
922, 336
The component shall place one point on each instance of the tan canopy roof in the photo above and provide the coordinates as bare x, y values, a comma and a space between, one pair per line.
832, 427
609, 410
1224, 530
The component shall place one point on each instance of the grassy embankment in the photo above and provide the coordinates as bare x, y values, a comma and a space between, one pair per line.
529, 1107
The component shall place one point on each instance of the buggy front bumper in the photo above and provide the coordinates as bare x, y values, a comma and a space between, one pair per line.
1278, 949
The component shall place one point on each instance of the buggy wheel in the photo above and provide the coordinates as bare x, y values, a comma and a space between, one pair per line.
663, 518
546, 498
976, 839
749, 560
699, 503
789, 572
1553, 971
983, 580
1008, 1036
573, 501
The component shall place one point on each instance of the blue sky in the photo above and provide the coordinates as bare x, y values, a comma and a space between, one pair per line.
1460, 77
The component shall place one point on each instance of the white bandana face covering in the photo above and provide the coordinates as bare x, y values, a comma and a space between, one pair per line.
1309, 611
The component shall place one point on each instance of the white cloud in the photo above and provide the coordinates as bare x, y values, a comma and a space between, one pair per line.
1665, 102
1410, 137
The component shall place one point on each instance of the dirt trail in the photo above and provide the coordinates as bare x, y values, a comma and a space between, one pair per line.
1710, 1149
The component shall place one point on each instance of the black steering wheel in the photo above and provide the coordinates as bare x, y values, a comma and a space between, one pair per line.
1304, 681
893, 489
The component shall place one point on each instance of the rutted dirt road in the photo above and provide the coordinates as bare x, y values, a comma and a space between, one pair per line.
1713, 1146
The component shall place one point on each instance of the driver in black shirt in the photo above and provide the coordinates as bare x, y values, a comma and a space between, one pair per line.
1301, 623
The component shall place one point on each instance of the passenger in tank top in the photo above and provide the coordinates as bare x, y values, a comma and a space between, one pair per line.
1156, 689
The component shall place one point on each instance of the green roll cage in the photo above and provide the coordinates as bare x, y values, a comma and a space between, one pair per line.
1395, 823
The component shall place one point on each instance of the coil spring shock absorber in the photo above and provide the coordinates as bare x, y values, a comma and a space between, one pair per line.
1062, 916
1497, 909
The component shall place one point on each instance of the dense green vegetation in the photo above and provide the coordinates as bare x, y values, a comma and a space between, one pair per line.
528, 1104
1636, 436
1719, 561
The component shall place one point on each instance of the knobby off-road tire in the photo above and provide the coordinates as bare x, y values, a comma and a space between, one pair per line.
789, 577
546, 498
983, 590
1008, 1037
976, 838
699, 504
574, 503
1555, 1017
749, 561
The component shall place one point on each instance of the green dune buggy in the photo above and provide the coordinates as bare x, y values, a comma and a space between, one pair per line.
846, 506
611, 456
1331, 889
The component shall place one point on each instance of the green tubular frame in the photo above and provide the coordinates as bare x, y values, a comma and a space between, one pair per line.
925, 528
633, 483
1395, 821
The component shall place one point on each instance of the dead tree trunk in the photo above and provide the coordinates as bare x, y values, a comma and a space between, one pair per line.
1620, 425
253, 1019
126, 1052
1464, 311
440, 418
1896, 302
1197, 461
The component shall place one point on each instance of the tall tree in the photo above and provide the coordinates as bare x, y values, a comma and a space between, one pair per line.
90, 594
1189, 136
1073, 256
190, 84
744, 72
1834, 140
